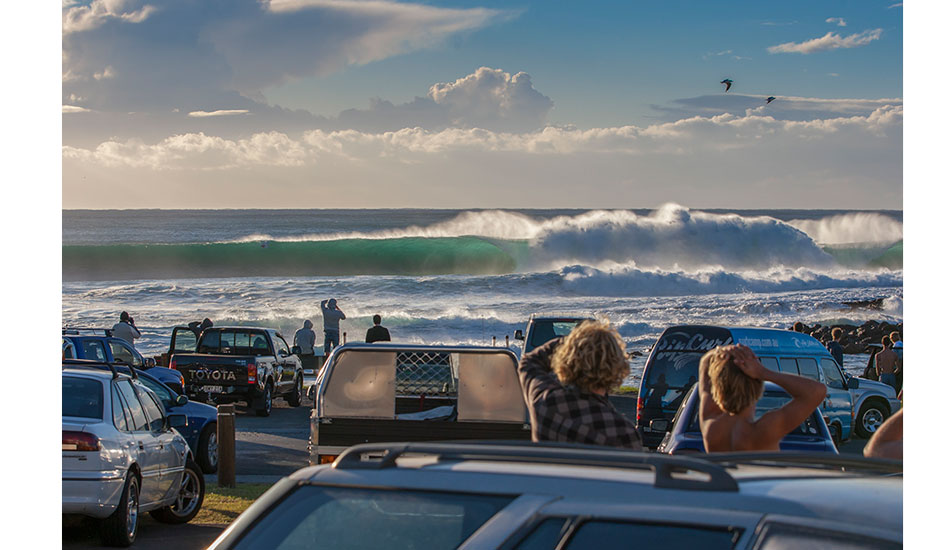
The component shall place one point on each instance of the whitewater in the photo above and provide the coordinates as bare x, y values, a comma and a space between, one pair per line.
468, 277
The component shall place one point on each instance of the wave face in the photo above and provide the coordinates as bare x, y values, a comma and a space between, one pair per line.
671, 239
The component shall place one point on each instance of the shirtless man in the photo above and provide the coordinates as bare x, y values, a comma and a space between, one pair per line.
731, 381
885, 362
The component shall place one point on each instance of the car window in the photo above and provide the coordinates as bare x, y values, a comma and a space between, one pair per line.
91, 349
160, 390
281, 346
156, 416
118, 411
808, 367
543, 331
121, 353
136, 412
338, 517
788, 365
185, 341
669, 378
833, 376
608, 535
69, 350
769, 401
232, 342
82, 397
545, 536
777, 536
770, 363
210, 341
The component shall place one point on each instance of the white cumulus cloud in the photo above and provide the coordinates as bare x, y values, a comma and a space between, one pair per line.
837, 20
219, 112
830, 41
69, 109
79, 18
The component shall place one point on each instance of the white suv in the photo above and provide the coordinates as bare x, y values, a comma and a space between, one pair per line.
122, 455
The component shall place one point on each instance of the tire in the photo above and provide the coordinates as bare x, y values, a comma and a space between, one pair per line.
869, 419
835, 430
191, 493
297, 394
266, 401
208, 448
120, 528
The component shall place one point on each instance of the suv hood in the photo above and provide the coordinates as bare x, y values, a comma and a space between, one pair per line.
865, 384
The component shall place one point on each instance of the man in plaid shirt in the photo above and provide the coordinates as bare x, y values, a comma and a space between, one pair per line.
565, 384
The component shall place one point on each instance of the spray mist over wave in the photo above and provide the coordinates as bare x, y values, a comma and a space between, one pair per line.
864, 227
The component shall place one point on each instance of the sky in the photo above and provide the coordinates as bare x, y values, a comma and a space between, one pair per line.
462, 104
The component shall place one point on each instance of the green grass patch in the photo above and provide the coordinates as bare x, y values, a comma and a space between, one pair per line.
626, 390
224, 504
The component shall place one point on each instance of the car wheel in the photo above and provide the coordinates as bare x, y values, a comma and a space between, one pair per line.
870, 418
835, 435
297, 395
267, 401
188, 499
120, 528
208, 448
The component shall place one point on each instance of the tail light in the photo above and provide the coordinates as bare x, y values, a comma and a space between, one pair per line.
327, 459
639, 409
251, 372
80, 441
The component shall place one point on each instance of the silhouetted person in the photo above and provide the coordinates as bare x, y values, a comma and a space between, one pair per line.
798, 326
332, 315
660, 387
731, 381
377, 332
125, 329
834, 346
885, 363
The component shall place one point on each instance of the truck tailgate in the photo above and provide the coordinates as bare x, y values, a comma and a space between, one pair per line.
218, 370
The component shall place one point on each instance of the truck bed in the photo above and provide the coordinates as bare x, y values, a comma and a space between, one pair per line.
344, 432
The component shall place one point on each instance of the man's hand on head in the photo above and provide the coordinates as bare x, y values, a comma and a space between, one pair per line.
748, 363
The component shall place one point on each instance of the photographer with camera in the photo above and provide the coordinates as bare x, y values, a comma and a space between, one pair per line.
125, 329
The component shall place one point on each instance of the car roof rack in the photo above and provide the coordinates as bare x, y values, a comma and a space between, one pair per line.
91, 331
664, 466
798, 459
99, 365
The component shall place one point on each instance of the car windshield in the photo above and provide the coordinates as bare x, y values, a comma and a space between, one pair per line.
769, 401
347, 518
669, 378
82, 397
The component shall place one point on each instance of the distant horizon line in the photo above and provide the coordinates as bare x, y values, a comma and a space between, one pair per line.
508, 208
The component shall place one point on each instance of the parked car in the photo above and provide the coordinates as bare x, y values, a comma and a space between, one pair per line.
852, 404
248, 364
522, 496
100, 345
122, 454
542, 329
683, 434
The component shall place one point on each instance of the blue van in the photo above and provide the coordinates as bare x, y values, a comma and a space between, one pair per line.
673, 367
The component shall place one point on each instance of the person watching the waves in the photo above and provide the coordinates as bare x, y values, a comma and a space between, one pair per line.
125, 329
731, 381
332, 315
565, 384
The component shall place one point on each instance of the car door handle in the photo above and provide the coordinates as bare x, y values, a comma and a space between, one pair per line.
141, 445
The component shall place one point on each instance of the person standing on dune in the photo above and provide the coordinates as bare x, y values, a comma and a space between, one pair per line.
332, 315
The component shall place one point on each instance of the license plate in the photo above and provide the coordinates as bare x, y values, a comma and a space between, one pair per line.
213, 389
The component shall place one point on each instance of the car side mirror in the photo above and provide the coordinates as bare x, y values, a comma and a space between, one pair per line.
853, 383
283, 353
182, 399
177, 421
519, 335
149, 363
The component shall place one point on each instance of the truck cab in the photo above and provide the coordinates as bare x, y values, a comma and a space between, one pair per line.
542, 329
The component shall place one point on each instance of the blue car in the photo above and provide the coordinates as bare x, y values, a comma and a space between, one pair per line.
684, 435
107, 349
201, 433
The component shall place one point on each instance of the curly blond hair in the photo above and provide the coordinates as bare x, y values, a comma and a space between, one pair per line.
591, 357
732, 389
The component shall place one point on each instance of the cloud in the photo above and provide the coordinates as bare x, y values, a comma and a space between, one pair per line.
228, 51
69, 109
784, 108
829, 41
837, 20
677, 139
78, 18
219, 112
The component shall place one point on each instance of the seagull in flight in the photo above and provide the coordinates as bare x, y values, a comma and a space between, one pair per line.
769, 99
727, 82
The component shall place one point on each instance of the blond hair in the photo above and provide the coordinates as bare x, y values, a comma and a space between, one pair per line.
732, 390
591, 357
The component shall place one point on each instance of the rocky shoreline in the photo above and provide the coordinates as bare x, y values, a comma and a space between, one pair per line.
855, 339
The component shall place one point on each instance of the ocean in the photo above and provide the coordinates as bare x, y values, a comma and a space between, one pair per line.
471, 276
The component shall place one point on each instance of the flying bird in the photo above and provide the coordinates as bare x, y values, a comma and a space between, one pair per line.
769, 99
727, 82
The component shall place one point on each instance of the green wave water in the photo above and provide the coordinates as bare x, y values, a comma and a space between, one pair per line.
399, 256
863, 256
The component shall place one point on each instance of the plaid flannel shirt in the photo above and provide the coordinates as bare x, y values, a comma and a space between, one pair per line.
567, 414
